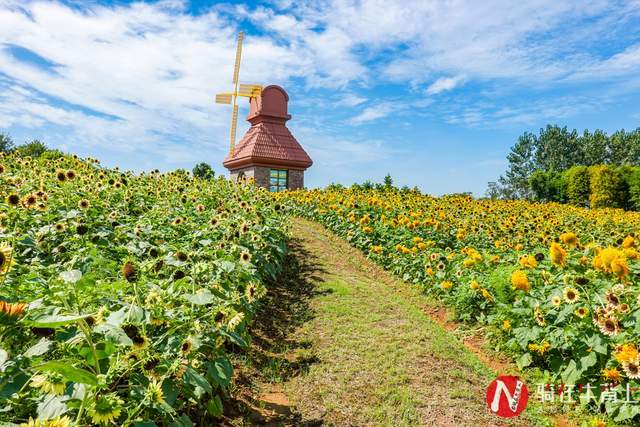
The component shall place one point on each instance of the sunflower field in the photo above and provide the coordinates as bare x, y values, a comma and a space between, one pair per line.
555, 286
123, 295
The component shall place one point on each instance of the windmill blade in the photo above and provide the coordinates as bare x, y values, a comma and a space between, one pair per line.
234, 124
236, 68
223, 98
250, 91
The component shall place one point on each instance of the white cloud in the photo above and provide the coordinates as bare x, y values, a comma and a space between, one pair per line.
372, 113
444, 84
129, 76
351, 100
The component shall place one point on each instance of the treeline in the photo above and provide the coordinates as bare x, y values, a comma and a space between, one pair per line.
33, 148
591, 169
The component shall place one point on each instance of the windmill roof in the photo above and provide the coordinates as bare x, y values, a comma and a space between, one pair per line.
270, 144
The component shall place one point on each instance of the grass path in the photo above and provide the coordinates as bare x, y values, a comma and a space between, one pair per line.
343, 343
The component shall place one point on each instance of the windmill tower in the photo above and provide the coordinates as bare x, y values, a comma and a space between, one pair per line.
268, 153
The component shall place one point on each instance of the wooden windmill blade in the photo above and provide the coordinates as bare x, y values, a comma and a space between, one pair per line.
250, 91
234, 125
236, 68
223, 98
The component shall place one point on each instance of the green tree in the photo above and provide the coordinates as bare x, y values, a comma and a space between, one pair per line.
493, 190
6, 143
578, 185
34, 148
388, 181
203, 171
548, 186
557, 149
633, 184
607, 187
594, 146
515, 182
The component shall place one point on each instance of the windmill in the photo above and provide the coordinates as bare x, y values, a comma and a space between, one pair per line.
244, 90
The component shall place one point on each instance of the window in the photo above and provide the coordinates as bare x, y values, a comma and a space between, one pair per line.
278, 180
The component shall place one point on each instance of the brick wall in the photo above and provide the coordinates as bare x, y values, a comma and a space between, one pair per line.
296, 179
261, 176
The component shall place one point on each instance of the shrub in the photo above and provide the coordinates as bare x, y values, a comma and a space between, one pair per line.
548, 186
633, 184
578, 185
607, 187
34, 148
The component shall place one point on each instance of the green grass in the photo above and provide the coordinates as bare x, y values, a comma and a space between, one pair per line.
344, 343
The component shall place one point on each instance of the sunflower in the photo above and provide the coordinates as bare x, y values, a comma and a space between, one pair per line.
608, 256
186, 346
619, 268
610, 326
9, 311
29, 201
487, 295
139, 342
528, 261
506, 325
251, 291
54, 422
129, 271
632, 368
245, 256
628, 242
520, 281
611, 298
446, 285
626, 353
49, 382
154, 393
612, 374
541, 348
13, 199
83, 204
556, 300
235, 321
582, 312
6, 258
538, 315
106, 408
571, 295
557, 254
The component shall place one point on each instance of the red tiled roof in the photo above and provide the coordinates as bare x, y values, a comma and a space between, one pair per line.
268, 142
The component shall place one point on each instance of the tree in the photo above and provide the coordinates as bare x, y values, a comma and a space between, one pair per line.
388, 181
557, 149
548, 186
578, 185
594, 147
34, 148
493, 191
515, 182
6, 143
203, 171
606, 187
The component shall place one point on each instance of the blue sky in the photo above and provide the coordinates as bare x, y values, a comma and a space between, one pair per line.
432, 92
